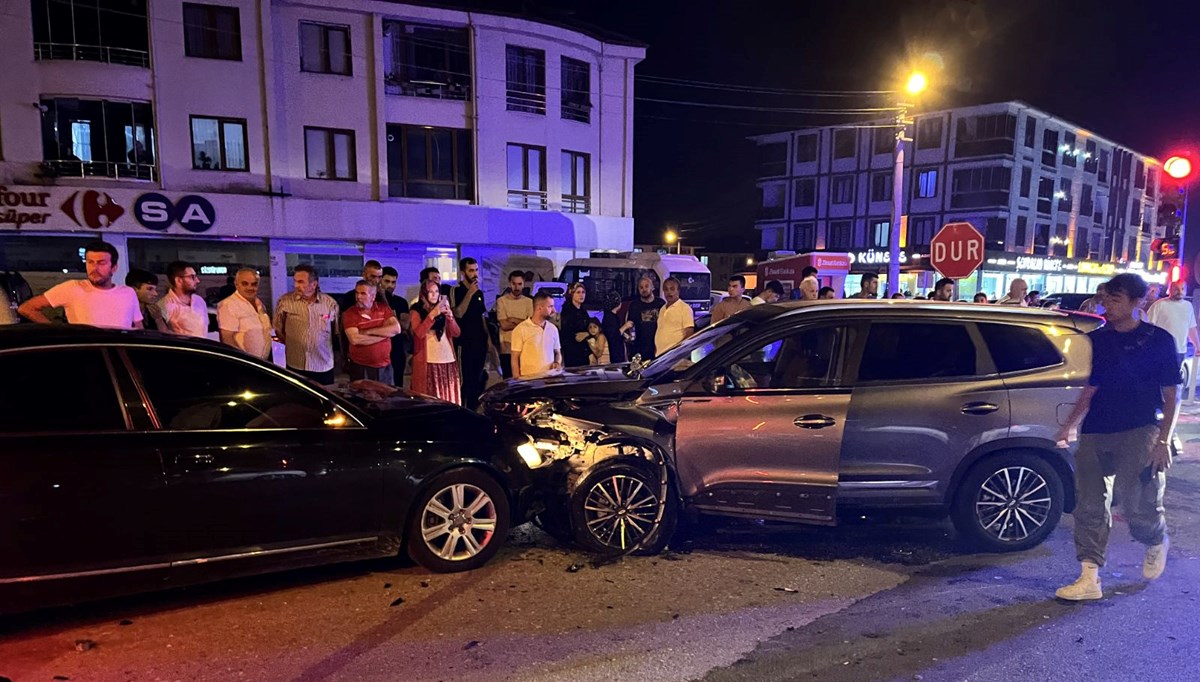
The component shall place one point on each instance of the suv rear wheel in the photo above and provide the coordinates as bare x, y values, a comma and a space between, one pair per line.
1009, 502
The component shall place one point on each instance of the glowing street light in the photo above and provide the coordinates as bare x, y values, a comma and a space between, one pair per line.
916, 83
672, 237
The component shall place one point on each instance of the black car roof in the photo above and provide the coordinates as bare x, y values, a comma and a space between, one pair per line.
28, 335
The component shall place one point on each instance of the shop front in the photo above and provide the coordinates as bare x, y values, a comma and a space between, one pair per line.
1052, 275
916, 275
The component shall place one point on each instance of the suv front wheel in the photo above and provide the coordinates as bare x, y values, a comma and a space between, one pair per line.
1008, 502
615, 508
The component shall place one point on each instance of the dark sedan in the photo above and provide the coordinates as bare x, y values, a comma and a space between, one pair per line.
130, 461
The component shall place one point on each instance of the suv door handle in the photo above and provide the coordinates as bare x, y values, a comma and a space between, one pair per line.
814, 421
979, 408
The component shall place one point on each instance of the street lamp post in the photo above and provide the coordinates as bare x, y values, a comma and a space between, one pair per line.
916, 84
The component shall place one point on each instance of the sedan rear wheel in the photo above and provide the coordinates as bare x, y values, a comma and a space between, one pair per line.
459, 521
1009, 503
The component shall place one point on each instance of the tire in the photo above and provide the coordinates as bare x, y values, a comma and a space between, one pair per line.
1009, 502
615, 506
445, 534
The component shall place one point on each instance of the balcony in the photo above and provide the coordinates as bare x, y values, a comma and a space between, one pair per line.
91, 53
426, 61
528, 199
395, 85
573, 204
528, 102
60, 168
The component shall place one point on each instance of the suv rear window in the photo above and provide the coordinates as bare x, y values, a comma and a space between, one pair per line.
1016, 349
916, 351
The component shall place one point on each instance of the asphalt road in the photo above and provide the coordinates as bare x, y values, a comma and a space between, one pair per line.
743, 601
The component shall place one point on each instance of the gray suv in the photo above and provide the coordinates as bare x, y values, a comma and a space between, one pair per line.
799, 411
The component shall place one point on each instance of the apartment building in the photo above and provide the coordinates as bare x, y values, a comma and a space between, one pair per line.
1059, 205
268, 133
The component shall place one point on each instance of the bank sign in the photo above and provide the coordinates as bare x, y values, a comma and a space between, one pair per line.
34, 207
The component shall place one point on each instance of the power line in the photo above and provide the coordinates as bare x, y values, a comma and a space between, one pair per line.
709, 85
777, 110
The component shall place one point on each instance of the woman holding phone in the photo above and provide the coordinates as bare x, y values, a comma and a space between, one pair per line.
574, 327
434, 368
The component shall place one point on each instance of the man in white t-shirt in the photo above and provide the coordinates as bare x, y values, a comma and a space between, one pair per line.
242, 319
182, 311
97, 300
536, 348
676, 321
1176, 315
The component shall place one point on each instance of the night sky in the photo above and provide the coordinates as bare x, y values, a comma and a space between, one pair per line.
1129, 71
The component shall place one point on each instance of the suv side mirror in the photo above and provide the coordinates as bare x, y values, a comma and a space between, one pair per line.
719, 383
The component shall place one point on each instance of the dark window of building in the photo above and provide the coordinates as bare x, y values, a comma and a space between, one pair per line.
805, 192
526, 78
1139, 175
576, 182
1021, 238
881, 187
430, 163
1064, 195
1096, 244
219, 144
839, 235
212, 32
576, 90
1030, 131
806, 148
978, 187
929, 132
1045, 202
804, 237
773, 202
1050, 148
772, 159
921, 230
426, 61
985, 135
1069, 152
842, 189
1026, 182
1090, 160
927, 183
527, 177
1041, 239
98, 138
916, 352
1017, 349
1102, 167
325, 48
1086, 205
995, 233
193, 391
845, 143
44, 376
329, 154
87, 30
884, 140
1061, 240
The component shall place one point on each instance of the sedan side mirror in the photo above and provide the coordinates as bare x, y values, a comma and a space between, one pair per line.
719, 383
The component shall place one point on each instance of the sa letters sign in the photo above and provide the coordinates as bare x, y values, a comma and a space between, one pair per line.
156, 212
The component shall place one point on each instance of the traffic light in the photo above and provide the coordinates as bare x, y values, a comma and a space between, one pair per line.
1176, 273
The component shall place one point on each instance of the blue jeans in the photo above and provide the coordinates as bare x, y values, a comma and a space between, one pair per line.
383, 374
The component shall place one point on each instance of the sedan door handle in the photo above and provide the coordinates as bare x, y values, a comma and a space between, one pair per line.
814, 421
979, 408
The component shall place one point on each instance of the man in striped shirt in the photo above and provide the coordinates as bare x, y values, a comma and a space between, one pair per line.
304, 321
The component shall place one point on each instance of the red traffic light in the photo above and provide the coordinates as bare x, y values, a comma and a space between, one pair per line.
1176, 274
1178, 167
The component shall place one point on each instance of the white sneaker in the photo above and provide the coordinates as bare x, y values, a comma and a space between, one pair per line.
1083, 589
1156, 559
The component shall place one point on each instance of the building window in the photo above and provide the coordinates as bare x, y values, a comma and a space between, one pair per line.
527, 177
1139, 175
927, 184
806, 148
929, 133
1022, 236
1086, 205
429, 163
985, 135
212, 32
845, 143
772, 159
1030, 131
920, 231
576, 181
843, 189
839, 235
978, 187
884, 140
1045, 202
804, 237
773, 201
426, 61
1095, 245
881, 187
325, 48
1089, 157
1026, 182
1102, 167
576, 90
1041, 240
1069, 153
329, 154
85, 30
1064, 195
1050, 148
879, 235
995, 233
219, 144
1060, 240
805, 192
526, 77
85, 138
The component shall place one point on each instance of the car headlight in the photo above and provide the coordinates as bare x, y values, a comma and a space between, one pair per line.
536, 454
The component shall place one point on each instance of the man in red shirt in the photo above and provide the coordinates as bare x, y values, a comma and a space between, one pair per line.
370, 324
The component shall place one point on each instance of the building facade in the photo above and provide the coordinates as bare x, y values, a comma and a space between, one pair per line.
1058, 205
270, 133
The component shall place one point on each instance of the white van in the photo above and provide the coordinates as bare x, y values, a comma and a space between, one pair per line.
621, 272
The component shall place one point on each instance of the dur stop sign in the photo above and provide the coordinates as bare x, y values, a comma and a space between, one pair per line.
956, 250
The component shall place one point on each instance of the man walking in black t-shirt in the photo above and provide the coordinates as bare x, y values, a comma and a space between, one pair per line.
1123, 444
642, 318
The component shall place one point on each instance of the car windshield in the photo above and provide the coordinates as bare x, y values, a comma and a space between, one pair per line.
694, 349
693, 286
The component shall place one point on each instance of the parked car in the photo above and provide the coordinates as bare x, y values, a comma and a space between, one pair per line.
130, 461
1065, 301
801, 411
14, 291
